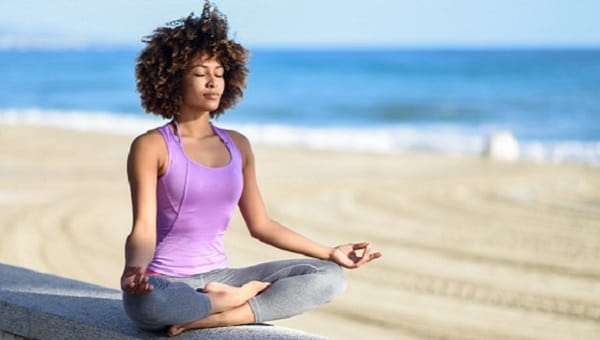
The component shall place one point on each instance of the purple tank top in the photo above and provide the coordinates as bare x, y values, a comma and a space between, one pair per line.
194, 206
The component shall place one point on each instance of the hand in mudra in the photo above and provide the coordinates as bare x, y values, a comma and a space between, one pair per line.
134, 281
353, 255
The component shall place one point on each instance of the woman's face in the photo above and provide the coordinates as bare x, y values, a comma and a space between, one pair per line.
203, 85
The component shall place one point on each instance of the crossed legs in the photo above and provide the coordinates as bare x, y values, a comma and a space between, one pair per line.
296, 287
229, 306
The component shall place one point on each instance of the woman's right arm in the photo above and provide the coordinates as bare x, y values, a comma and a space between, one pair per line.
142, 173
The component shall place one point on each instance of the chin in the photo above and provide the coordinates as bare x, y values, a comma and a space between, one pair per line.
209, 108
213, 106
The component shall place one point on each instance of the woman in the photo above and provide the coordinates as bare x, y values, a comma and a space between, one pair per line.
187, 176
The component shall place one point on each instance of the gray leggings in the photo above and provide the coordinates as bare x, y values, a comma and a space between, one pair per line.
296, 287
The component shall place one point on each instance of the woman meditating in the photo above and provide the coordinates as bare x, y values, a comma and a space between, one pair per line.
186, 178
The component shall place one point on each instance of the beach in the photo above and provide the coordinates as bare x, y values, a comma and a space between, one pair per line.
473, 249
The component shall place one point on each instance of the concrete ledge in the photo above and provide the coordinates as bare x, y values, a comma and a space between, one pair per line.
9, 336
42, 306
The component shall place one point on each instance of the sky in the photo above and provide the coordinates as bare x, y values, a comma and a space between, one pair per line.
311, 23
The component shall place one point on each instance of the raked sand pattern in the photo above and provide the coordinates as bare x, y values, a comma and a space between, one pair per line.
473, 249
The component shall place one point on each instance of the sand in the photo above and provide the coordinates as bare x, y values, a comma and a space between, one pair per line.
473, 249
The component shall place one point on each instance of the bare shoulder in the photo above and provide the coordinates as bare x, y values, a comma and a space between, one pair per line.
151, 140
151, 148
243, 144
240, 140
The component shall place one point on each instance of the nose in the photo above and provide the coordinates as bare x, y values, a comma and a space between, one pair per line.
211, 82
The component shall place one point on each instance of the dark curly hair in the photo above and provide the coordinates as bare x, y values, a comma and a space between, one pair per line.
170, 50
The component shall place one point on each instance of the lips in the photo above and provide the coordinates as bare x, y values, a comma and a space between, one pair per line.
211, 95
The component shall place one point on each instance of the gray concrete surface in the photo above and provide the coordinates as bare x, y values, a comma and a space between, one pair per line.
9, 336
43, 306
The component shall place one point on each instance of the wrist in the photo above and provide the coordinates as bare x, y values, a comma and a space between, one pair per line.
327, 253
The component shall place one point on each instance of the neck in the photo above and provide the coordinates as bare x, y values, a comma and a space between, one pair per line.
195, 125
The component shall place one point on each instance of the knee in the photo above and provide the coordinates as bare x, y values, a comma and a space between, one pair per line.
334, 280
145, 309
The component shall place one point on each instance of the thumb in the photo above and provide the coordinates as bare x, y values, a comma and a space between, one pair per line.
344, 261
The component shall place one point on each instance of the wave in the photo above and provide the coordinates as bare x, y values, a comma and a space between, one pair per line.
439, 138
96, 121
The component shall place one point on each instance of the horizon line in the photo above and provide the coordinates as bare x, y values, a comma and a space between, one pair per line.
322, 47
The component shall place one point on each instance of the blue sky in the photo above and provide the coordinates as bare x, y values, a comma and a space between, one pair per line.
311, 23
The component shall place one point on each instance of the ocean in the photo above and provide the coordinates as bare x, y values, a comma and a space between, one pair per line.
444, 101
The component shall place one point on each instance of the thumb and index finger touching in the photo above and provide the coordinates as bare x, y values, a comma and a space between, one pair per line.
366, 255
135, 281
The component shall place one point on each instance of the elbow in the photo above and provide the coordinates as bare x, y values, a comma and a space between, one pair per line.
259, 231
255, 233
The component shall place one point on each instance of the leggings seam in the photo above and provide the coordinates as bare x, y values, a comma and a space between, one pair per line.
255, 307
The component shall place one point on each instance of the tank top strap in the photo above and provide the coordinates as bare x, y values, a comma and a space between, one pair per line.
177, 134
224, 137
227, 140
174, 136
167, 133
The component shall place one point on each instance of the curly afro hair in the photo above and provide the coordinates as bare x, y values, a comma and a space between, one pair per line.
170, 50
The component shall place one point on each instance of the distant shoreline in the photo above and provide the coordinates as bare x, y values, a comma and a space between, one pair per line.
315, 48
396, 139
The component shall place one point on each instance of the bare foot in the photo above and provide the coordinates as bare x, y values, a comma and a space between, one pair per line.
176, 330
224, 297
237, 316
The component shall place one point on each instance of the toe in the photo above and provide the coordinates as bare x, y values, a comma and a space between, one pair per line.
174, 330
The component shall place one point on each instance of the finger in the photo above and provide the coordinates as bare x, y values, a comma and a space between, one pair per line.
129, 288
142, 285
126, 287
146, 289
348, 265
347, 262
128, 275
136, 278
129, 281
344, 261
138, 284
140, 277
374, 256
355, 258
360, 245
362, 250
135, 290
365, 256
359, 248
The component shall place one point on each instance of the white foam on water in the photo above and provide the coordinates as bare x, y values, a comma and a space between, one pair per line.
447, 139
82, 120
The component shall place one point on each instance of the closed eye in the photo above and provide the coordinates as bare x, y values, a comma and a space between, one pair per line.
202, 75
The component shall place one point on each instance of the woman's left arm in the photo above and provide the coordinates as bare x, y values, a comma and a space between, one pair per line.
263, 228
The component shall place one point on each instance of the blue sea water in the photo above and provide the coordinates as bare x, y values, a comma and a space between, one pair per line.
445, 101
